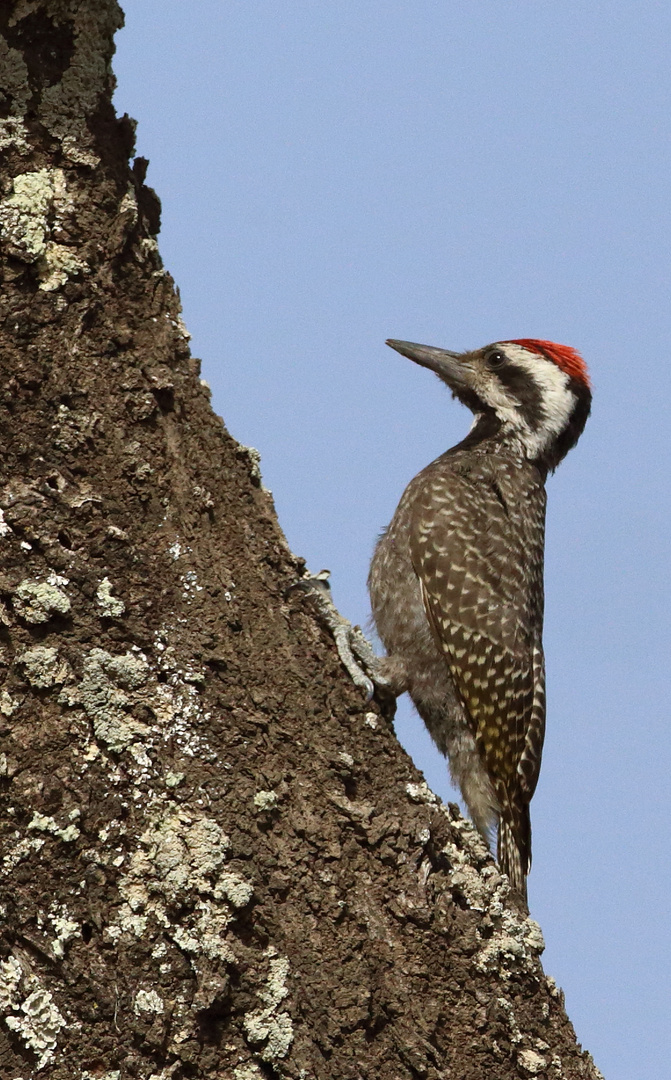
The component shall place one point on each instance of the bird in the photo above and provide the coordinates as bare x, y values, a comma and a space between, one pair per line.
456, 580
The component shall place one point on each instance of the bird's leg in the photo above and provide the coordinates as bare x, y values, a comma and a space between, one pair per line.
366, 669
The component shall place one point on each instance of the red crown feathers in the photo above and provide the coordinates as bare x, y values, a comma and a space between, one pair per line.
566, 358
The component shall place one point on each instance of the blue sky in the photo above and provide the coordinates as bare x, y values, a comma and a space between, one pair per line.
454, 173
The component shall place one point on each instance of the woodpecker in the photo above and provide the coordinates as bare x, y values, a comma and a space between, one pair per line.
456, 580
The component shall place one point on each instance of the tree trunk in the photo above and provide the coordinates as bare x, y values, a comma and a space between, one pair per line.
217, 860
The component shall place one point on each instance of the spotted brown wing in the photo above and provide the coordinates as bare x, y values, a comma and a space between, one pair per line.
477, 548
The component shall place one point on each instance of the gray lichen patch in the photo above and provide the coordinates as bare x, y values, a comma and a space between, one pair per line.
27, 227
532, 1062
516, 942
13, 132
177, 867
234, 888
75, 427
24, 215
266, 800
58, 264
29, 1010
148, 1001
112, 689
473, 870
22, 850
514, 947
8, 705
176, 856
248, 1071
516, 1036
109, 605
253, 457
38, 601
205, 934
65, 928
43, 667
11, 974
46, 823
270, 1030
207, 845
102, 692
421, 793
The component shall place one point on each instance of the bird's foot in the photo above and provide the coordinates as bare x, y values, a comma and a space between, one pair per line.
354, 649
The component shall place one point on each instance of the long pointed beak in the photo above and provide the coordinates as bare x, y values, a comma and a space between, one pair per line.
448, 365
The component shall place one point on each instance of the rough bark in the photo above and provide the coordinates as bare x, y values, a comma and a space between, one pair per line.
216, 861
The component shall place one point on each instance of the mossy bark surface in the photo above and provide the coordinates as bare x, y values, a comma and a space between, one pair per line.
216, 859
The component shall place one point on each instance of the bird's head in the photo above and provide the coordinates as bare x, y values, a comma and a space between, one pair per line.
535, 394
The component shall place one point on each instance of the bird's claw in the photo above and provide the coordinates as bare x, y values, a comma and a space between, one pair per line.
354, 649
343, 635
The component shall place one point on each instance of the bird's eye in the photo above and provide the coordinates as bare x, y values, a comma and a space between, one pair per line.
495, 359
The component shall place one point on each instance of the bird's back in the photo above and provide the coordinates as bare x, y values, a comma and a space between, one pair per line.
456, 588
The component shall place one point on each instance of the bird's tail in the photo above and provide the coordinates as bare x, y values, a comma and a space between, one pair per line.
514, 849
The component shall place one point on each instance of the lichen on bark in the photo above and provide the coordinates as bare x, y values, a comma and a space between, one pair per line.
217, 860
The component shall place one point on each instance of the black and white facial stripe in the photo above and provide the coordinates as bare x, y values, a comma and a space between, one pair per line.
533, 399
